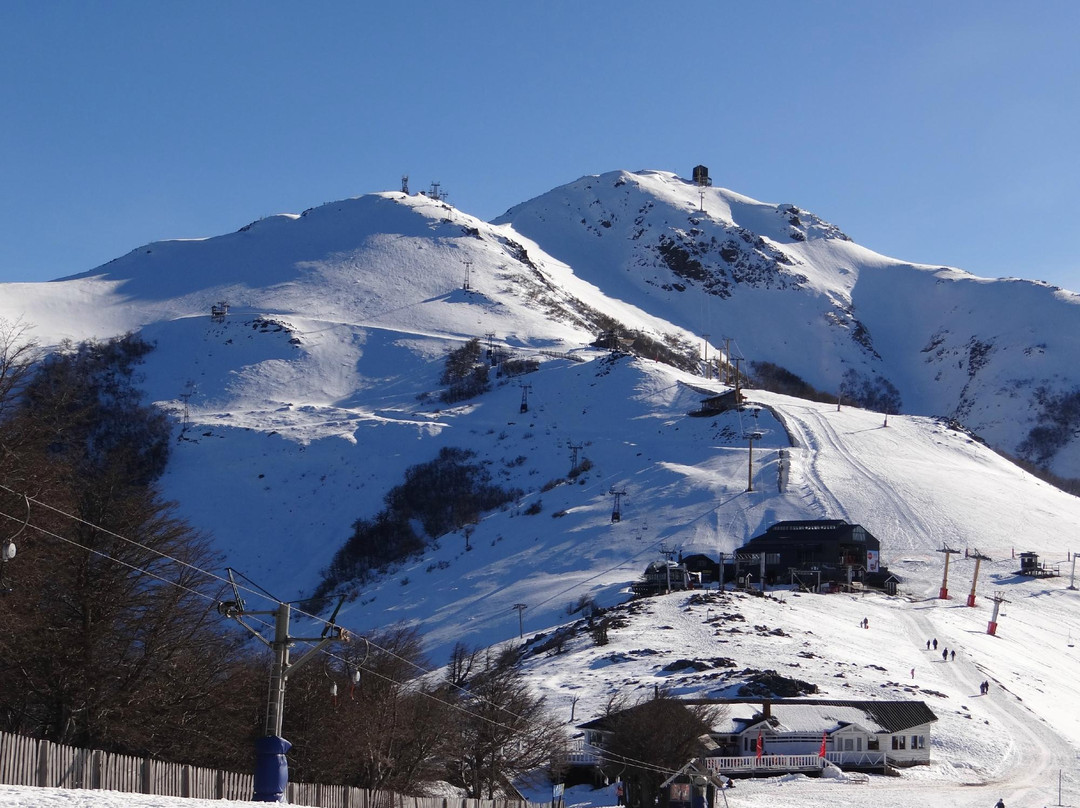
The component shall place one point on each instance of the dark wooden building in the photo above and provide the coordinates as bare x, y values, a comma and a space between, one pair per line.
707, 568
714, 405
817, 552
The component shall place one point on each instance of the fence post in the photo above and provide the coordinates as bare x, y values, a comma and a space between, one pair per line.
147, 776
43, 764
95, 777
185, 781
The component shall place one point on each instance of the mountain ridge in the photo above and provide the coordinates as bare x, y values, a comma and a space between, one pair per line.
324, 376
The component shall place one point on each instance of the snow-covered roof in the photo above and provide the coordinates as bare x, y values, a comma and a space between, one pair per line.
819, 715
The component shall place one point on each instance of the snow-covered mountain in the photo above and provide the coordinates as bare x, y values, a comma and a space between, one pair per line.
308, 401
997, 355
300, 408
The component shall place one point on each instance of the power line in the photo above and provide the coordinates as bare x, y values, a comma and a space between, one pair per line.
213, 576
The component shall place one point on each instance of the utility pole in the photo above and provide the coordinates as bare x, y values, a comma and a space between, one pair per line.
705, 346
1072, 574
979, 558
521, 607
525, 388
468, 266
271, 766
948, 551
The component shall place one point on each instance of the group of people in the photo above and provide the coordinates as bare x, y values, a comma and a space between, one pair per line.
984, 688
946, 654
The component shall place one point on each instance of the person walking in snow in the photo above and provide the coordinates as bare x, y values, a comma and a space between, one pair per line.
935, 643
928, 645
944, 654
952, 656
1000, 804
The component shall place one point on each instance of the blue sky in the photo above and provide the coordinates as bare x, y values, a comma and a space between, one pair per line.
934, 132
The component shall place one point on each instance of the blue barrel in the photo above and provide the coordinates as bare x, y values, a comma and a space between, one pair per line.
271, 768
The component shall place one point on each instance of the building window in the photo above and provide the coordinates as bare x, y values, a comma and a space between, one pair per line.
918, 741
899, 742
872, 744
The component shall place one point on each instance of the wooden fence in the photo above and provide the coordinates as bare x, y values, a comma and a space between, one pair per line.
32, 762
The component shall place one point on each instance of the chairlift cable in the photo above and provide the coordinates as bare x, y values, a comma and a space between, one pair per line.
225, 581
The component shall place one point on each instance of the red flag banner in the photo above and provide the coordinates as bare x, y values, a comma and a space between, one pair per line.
760, 745
821, 752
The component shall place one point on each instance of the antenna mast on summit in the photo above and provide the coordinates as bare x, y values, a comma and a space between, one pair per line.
405, 184
703, 181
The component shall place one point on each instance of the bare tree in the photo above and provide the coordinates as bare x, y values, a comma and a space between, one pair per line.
384, 732
503, 733
651, 741
18, 353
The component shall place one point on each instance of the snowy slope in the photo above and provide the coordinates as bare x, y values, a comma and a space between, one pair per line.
300, 409
794, 290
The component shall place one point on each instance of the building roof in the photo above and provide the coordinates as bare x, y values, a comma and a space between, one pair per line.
809, 715
828, 715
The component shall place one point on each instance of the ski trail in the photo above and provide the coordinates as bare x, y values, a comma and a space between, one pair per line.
1036, 751
806, 447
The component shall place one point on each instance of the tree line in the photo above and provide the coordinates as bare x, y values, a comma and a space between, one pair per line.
110, 637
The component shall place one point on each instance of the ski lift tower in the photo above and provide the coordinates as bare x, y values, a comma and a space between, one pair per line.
991, 627
754, 434
979, 558
271, 766
616, 511
750, 557
948, 551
